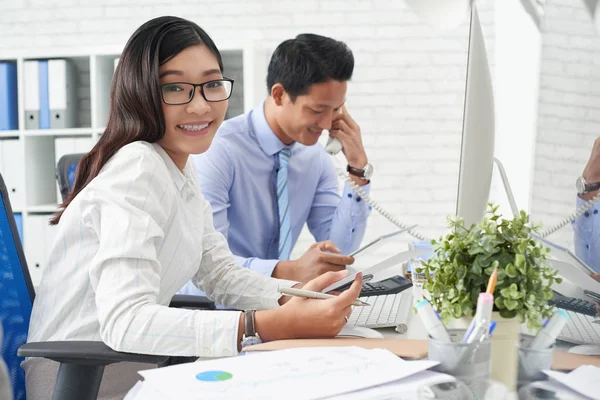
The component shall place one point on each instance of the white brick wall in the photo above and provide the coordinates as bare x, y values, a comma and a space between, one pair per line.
407, 92
568, 120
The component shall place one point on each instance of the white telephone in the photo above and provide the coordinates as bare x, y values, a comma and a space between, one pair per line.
333, 147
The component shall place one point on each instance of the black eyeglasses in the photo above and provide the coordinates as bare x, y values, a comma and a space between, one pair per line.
183, 92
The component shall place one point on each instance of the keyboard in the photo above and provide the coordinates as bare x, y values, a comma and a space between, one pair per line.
391, 310
581, 329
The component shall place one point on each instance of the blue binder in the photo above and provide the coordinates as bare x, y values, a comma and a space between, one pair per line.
8, 96
44, 95
19, 221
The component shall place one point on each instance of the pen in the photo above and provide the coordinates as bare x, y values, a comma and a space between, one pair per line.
309, 294
551, 329
491, 286
432, 323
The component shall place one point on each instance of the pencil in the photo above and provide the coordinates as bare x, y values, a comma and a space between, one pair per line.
308, 294
491, 286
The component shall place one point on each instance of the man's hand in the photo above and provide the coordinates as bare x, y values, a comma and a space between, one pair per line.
316, 261
347, 131
591, 172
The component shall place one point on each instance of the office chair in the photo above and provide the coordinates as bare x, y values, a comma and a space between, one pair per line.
81, 362
65, 173
65, 176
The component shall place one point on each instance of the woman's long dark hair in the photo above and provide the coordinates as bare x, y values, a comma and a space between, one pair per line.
135, 102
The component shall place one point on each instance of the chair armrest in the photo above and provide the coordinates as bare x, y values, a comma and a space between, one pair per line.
190, 301
83, 353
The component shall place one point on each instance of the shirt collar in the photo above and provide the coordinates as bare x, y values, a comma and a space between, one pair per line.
181, 179
268, 141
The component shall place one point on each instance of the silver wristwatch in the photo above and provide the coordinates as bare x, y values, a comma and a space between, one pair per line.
584, 186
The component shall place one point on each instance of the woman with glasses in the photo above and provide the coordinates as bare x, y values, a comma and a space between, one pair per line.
136, 228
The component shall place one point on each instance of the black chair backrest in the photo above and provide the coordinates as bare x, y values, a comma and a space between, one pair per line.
65, 173
17, 293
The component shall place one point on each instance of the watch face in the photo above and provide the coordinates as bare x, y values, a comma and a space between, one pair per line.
580, 185
368, 171
250, 341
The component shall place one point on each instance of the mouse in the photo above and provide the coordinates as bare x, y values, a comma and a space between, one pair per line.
359, 331
585, 349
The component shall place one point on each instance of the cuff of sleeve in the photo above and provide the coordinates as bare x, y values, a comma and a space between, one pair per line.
272, 295
263, 267
358, 206
217, 333
585, 223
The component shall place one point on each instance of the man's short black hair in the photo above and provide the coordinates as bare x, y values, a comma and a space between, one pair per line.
308, 59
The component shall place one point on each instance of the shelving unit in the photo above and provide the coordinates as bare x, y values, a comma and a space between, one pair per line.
28, 157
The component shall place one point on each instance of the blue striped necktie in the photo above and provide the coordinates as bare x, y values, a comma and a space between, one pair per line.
283, 205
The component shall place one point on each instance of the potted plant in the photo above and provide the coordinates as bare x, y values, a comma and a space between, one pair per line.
462, 263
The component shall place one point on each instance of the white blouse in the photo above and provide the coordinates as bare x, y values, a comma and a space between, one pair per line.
126, 244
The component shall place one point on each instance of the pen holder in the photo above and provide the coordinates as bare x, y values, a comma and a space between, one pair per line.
531, 364
468, 362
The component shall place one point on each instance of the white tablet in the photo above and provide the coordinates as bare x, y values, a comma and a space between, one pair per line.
381, 240
390, 262
571, 267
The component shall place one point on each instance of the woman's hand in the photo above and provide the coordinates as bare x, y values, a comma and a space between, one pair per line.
310, 318
322, 318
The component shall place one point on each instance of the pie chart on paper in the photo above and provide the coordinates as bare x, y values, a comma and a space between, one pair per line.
214, 376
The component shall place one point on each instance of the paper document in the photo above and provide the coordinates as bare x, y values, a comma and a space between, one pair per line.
309, 373
385, 264
584, 380
405, 388
559, 390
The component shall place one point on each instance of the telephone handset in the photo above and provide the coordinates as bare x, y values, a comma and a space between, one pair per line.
333, 147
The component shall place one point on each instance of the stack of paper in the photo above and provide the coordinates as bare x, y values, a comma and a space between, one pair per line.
584, 380
308, 373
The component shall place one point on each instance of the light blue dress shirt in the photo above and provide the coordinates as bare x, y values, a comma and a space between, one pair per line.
587, 235
237, 175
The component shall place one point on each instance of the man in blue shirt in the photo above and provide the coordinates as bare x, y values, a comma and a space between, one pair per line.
587, 226
265, 175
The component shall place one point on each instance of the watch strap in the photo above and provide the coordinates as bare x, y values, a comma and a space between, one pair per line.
356, 171
591, 187
249, 328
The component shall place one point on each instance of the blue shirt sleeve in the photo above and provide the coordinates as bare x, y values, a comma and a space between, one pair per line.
587, 229
215, 172
341, 219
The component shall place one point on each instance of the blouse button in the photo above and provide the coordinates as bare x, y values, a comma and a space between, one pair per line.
206, 352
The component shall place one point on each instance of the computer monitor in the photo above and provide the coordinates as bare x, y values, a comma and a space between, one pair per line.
477, 152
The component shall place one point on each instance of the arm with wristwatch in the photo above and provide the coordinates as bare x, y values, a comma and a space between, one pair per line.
587, 226
300, 317
338, 224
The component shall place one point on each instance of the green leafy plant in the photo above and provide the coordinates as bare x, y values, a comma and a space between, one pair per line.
464, 259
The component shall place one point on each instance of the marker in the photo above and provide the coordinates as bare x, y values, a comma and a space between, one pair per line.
432, 323
483, 316
482, 320
550, 331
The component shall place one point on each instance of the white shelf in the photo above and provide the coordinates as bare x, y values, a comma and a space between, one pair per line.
43, 209
76, 132
9, 134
